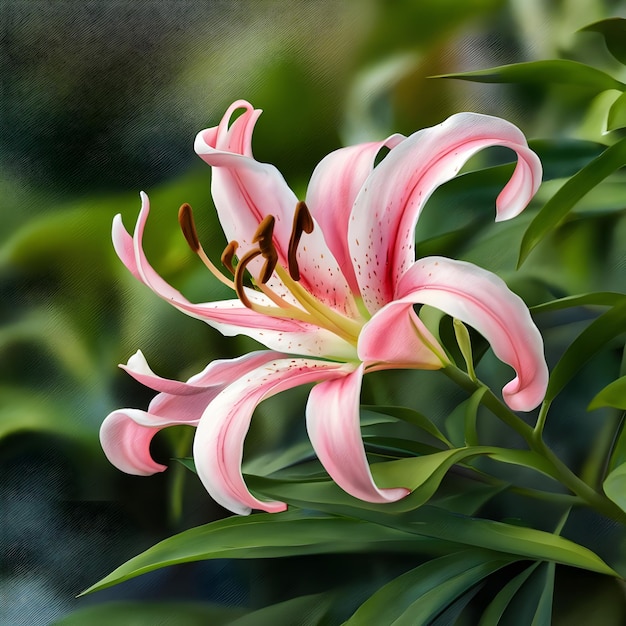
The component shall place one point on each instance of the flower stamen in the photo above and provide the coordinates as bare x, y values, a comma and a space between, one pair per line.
313, 311
263, 237
188, 226
228, 255
302, 222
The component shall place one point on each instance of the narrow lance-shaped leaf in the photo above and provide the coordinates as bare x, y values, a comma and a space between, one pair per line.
494, 612
599, 298
311, 610
417, 596
614, 395
150, 613
613, 30
617, 113
589, 342
569, 194
552, 71
615, 486
260, 536
437, 523
411, 417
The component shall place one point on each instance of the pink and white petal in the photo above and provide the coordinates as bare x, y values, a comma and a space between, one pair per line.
218, 444
138, 368
397, 338
332, 417
334, 186
483, 300
125, 436
382, 223
293, 338
211, 381
218, 373
246, 191
230, 317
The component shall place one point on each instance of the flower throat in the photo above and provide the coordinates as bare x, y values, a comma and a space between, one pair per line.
312, 312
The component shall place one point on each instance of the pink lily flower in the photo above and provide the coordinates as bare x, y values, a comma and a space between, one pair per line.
335, 283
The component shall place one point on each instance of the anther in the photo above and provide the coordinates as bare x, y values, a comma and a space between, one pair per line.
302, 223
187, 225
263, 237
228, 256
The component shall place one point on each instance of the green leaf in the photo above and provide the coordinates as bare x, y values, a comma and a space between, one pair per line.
617, 114
618, 451
310, 610
274, 461
552, 71
396, 447
615, 486
423, 474
613, 30
416, 597
557, 208
151, 613
471, 416
411, 417
465, 345
545, 591
602, 330
461, 422
563, 157
598, 298
494, 612
261, 536
429, 522
614, 394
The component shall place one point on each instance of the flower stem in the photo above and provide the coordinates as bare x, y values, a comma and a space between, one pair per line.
534, 440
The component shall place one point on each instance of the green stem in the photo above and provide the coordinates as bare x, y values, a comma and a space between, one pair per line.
179, 474
534, 440
541, 420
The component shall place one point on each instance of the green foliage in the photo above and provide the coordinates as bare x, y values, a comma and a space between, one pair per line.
614, 32
615, 486
262, 536
150, 613
545, 72
601, 331
417, 597
557, 208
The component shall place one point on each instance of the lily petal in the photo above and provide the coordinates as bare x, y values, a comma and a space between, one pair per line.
246, 191
410, 344
483, 300
126, 434
218, 444
332, 417
218, 373
334, 186
385, 213
230, 317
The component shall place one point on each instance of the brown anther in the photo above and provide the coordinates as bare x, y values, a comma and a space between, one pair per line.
228, 256
263, 237
302, 223
187, 225
263, 234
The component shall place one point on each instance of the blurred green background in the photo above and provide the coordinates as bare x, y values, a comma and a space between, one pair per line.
102, 99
